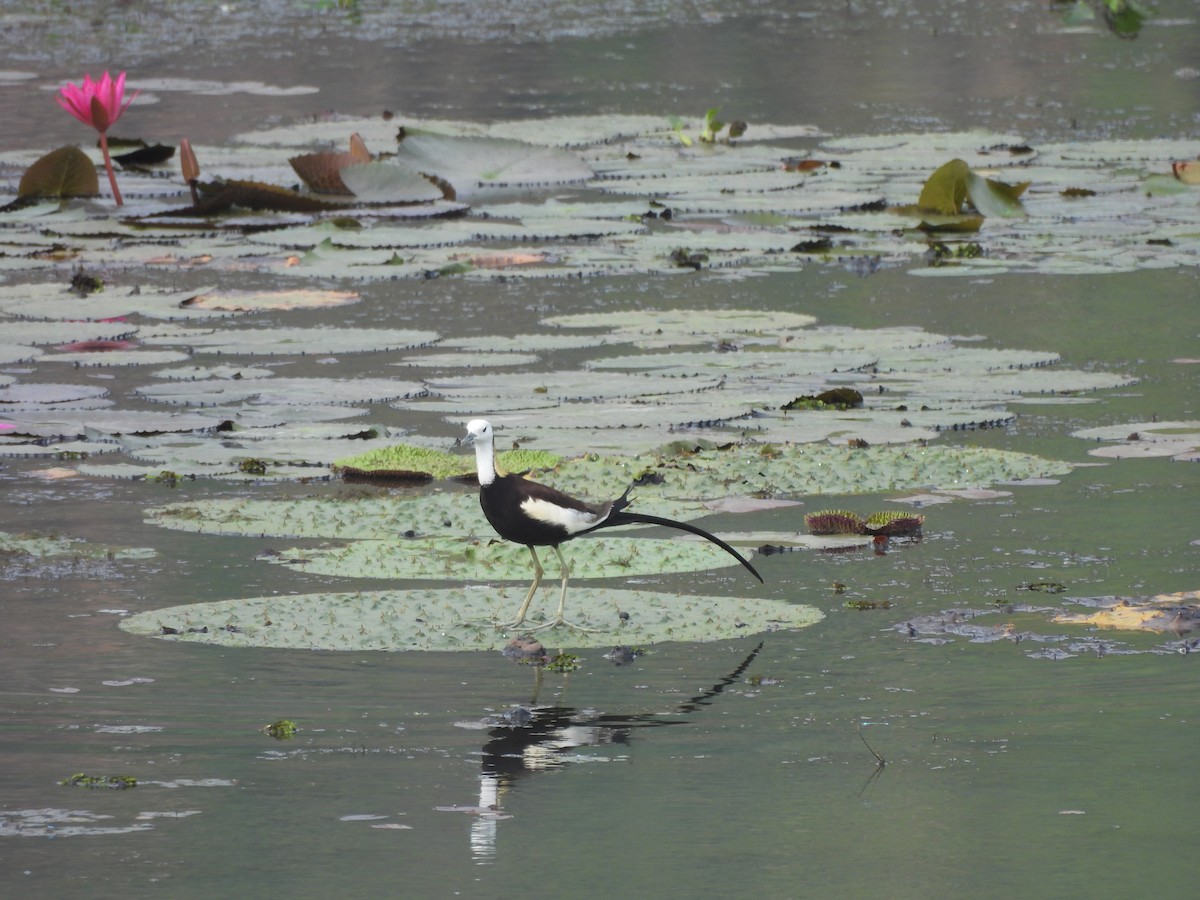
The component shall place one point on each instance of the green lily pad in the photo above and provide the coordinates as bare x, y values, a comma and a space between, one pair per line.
388, 181
279, 391
29, 396
65, 172
459, 619
334, 516
470, 163
25, 332
60, 449
461, 559
399, 459
55, 302
109, 358
297, 341
673, 327
685, 484
16, 548
1141, 440
255, 301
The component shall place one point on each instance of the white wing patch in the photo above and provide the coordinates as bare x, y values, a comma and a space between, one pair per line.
572, 521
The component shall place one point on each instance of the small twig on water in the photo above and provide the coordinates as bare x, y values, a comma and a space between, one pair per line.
879, 759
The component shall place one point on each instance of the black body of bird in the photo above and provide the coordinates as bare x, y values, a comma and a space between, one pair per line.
537, 515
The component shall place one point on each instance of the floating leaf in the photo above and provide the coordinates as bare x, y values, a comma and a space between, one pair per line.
145, 155
459, 558
253, 301
65, 172
26, 396
835, 521
321, 171
1179, 440
296, 341
401, 460
223, 196
948, 188
470, 163
279, 391
17, 547
389, 181
460, 619
1187, 172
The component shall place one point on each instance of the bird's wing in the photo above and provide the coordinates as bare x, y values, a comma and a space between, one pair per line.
552, 507
570, 519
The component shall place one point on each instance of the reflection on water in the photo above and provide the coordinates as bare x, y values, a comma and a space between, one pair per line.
530, 739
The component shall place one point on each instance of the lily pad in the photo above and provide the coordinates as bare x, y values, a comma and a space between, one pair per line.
35, 396
470, 163
65, 172
400, 460
389, 181
16, 549
1141, 440
111, 358
279, 391
459, 619
297, 341
254, 301
460, 559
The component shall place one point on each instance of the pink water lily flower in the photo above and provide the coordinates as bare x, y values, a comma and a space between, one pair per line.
98, 104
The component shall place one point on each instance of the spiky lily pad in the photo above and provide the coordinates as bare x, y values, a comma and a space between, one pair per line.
683, 483
460, 559
460, 619
16, 547
399, 460
834, 521
338, 516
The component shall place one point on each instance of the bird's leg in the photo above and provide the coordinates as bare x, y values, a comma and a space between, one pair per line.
537, 579
562, 599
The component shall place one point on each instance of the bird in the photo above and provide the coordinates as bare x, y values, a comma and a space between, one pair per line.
538, 515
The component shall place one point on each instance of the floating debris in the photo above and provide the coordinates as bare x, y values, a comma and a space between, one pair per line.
111, 782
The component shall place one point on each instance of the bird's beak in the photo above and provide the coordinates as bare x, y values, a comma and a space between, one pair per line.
463, 441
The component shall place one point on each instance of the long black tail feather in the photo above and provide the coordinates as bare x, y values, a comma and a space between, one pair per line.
619, 517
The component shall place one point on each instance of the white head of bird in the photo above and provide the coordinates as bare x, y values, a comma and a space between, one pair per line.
479, 433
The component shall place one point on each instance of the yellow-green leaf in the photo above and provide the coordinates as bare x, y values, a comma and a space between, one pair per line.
946, 189
65, 172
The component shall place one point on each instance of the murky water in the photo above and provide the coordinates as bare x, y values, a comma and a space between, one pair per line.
698, 770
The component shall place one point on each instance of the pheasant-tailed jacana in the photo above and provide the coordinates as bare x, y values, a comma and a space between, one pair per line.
537, 515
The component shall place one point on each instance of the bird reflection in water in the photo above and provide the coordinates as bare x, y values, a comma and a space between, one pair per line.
526, 740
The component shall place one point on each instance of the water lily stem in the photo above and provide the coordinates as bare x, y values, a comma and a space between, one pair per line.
112, 177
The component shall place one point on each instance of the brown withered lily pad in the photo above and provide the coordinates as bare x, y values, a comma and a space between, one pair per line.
322, 171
